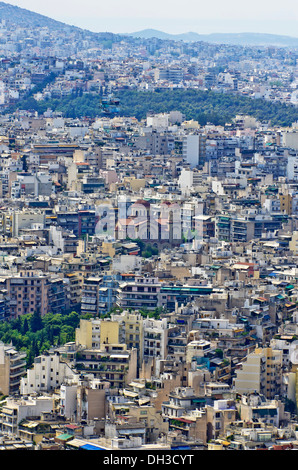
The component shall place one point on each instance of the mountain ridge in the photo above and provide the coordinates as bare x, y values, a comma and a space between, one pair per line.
13, 14
227, 38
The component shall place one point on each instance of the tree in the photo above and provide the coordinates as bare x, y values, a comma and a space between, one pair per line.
35, 321
25, 326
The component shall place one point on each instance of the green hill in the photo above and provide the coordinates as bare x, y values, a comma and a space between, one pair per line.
203, 106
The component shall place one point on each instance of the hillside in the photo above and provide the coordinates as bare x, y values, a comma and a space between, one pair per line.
203, 106
21, 17
28, 19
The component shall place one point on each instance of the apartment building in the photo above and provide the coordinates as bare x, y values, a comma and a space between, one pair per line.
73, 289
242, 228
197, 348
12, 369
177, 294
219, 416
88, 333
155, 333
56, 295
31, 291
28, 292
102, 354
194, 149
132, 331
47, 373
98, 294
25, 219
261, 372
142, 293
114, 364
181, 400
155, 142
15, 411
255, 407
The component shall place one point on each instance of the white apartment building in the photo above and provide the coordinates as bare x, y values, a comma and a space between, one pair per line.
197, 348
47, 374
194, 149
14, 411
26, 219
292, 167
155, 335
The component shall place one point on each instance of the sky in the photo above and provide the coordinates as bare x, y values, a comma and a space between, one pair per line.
174, 16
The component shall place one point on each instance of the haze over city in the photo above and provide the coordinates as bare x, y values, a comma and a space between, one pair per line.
272, 17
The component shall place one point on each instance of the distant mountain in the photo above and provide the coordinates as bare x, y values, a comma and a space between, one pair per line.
17, 16
251, 39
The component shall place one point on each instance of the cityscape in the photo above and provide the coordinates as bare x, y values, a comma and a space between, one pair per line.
148, 241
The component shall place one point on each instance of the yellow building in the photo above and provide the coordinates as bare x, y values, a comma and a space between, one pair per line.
110, 248
135, 184
132, 331
109, 333
84, 334
96, 333
107, 359
286, 203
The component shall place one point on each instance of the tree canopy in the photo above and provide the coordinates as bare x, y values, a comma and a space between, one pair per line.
204, 106
34, 334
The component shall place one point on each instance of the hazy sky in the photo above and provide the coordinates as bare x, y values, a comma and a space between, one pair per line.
173, 16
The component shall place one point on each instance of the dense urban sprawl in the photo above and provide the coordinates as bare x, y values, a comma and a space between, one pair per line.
148, 242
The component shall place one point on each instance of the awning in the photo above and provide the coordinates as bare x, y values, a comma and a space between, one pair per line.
64, 437
91, 447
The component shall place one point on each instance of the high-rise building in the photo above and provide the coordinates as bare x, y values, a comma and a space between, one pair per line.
194, 149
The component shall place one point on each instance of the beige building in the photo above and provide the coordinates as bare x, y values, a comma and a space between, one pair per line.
132, 331
252, 376
114, 364
253, 407
15, 411
261, 372
103, 355
286, 203
12, 369
197, 348
221, 414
